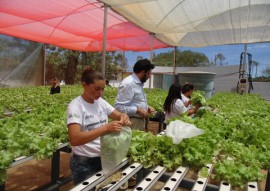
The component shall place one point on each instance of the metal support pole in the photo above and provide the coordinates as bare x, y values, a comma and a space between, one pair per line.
2, 187
104, 41
124, 64
151, 58
267, 184
55, 167
175, 77
161, 121
244, 69
44, 64
174, 60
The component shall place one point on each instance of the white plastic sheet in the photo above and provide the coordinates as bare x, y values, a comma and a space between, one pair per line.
197, 23
179, 130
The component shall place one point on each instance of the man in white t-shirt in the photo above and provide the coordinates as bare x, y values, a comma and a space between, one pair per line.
87, 120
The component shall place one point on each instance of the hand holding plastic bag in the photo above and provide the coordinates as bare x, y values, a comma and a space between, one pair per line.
114, 148
180, 130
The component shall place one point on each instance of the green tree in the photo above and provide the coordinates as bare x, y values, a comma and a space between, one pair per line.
221, 58
123, 63
139, 57
265, 77
255, 64
266, 72
68, 64
61, 63
72, 62
164, 59
13, 51
186, 58
113, 60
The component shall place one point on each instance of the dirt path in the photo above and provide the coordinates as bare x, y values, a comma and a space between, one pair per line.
34, 174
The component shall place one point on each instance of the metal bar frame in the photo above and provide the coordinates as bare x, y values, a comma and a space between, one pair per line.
150, 179
97, 178
175, 179
201, 182
127, 174
55, 167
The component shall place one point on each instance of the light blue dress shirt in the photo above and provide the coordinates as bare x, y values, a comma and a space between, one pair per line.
130, 96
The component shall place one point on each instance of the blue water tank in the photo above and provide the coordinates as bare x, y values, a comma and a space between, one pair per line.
203, 81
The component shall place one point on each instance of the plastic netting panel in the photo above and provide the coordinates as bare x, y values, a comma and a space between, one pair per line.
21, 62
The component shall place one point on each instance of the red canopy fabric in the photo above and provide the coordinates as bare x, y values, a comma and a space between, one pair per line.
76, 25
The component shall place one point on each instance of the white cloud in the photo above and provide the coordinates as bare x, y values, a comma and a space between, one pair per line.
261, 46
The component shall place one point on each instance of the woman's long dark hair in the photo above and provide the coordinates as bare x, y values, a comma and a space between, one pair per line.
173, 94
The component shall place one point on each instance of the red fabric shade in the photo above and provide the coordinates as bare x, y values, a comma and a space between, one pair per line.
76, 25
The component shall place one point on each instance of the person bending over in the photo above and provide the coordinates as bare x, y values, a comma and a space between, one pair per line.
174, 106
87, 120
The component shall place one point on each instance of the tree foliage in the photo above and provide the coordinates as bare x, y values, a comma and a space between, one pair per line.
266, 72
13, 51
220, 58
255, 64
185, 58
67, 64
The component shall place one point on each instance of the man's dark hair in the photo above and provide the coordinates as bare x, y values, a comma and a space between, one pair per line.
187, 87
143, 65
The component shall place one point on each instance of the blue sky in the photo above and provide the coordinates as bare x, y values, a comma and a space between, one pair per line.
260, 52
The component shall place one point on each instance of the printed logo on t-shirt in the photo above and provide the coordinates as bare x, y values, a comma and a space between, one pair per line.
103, 121
89, 116
74, 115
91, 126
92, 122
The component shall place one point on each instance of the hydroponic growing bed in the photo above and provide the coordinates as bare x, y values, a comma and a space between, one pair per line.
236, 139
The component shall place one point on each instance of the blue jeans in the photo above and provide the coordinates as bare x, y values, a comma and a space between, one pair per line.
83, 167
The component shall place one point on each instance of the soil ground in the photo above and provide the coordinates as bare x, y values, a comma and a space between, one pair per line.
34, 175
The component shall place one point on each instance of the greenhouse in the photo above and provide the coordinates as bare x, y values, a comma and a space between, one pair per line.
223, 146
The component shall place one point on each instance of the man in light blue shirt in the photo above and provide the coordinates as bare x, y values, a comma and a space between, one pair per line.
131, 98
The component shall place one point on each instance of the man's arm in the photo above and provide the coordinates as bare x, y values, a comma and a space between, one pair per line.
124, 100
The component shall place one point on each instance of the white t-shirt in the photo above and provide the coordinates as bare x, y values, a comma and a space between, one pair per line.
177, 110
89, 116
186, 99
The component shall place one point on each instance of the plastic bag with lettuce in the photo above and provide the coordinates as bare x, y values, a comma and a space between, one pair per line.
114, 148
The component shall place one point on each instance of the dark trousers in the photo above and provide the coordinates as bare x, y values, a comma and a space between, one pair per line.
83, 167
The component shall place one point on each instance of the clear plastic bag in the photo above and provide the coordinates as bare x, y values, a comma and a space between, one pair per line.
179, 130
114, 148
